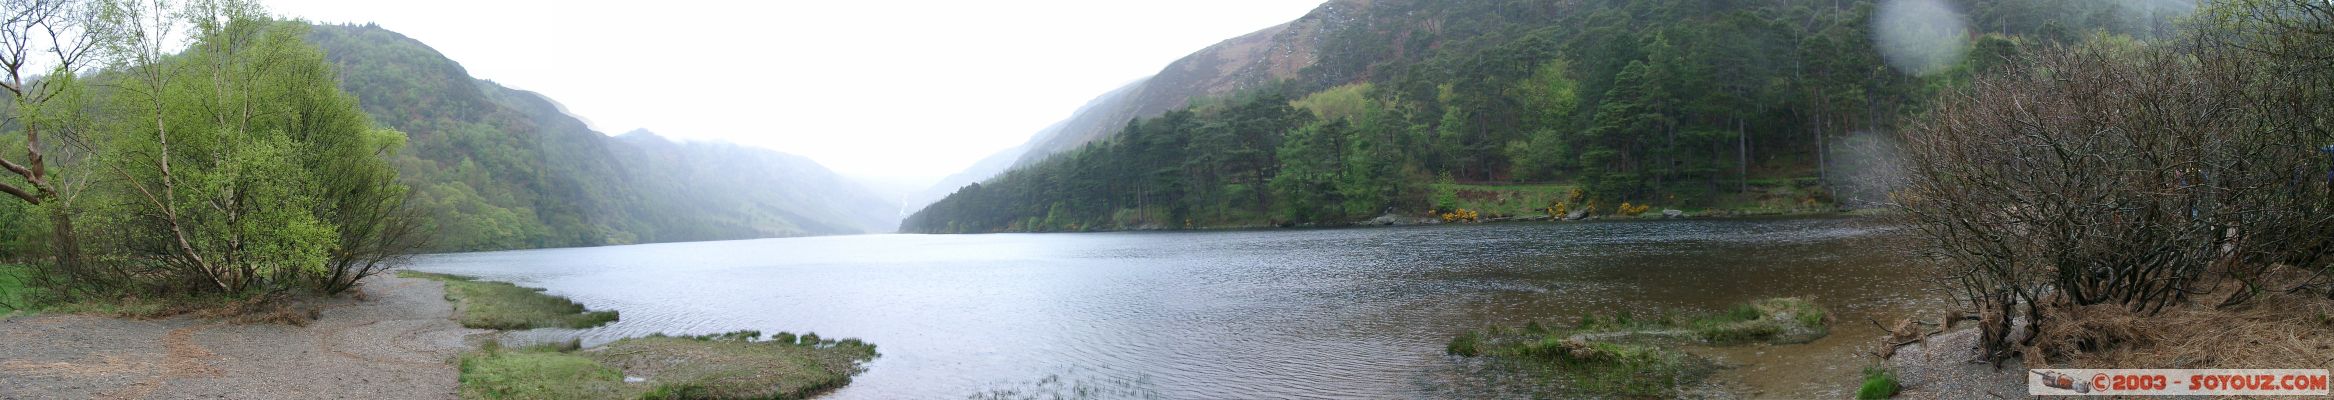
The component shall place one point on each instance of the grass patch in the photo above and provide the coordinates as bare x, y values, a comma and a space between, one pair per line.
1613, 368
1628, 355
1879, 383
736, 365
542, 372
1788, 320
500, 305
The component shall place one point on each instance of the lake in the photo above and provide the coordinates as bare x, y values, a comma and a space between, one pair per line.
1327, 313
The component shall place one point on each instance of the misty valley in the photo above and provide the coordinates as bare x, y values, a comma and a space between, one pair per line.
1461, 199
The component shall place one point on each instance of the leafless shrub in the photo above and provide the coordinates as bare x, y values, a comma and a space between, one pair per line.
2118, 174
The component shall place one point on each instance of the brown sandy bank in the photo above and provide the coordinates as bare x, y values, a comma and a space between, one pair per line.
399, 343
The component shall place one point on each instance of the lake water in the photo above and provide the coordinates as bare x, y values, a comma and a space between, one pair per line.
1332, 313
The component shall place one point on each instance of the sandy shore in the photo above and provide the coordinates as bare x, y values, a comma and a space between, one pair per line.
398, 344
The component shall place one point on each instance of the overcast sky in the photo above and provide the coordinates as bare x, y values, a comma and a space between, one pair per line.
869, 88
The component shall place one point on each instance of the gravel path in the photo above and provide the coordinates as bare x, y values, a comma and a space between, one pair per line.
398, 344
1941, 368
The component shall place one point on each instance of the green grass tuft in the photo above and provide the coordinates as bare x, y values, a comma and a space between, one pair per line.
1465, 345
494, 372
500, 305
1879, 383
1778, 320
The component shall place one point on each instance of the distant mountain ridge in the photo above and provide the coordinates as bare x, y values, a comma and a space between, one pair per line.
1242, 63
1364, 108
502, 168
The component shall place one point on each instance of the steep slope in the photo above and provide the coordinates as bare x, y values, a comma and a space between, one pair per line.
741, 191
501, 168
987, 167
1248, 62
1368, 106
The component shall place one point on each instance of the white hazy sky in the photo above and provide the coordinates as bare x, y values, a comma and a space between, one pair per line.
884, 89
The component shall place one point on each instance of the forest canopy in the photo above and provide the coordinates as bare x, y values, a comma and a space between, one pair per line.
1678, 104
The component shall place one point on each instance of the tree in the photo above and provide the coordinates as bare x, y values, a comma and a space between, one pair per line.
2120, 174
243, 166
1312, 164
1549, 96
44, 46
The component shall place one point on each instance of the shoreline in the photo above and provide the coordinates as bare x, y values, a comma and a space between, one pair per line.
396, 340
1407, 221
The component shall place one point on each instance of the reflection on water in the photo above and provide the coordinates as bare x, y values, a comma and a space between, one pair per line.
1286, 313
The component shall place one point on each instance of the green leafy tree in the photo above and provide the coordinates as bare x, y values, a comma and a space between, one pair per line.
256, 171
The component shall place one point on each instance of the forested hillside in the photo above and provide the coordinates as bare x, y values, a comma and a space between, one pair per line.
501, 168
1408, 105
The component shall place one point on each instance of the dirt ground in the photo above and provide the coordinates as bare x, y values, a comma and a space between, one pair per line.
1942, 368
397, 344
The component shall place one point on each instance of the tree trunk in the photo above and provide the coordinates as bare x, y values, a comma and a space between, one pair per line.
1742, 154
68, 246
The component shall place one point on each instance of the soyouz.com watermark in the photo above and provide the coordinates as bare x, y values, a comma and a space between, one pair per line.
2177, 382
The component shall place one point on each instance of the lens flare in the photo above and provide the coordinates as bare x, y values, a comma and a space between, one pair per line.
1920, 37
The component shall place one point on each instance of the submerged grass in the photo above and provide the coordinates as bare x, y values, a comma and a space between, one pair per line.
736, 365
500, 305
1623, 354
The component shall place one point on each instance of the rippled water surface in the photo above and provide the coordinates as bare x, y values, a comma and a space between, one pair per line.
1341, 313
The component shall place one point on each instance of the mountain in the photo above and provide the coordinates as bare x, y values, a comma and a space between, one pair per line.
1248, 62
987, 167
502, 168
1367, 106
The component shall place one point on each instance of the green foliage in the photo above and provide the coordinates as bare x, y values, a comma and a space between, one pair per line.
1349, 102
1632, 355
1779, 320
500, 168
1674, 104
15, 288
1879, 383
1467, 344
1501, 200
737, 365
500, 305
538, 373
234, 167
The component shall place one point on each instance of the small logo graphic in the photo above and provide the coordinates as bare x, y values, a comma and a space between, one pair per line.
2059, 380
